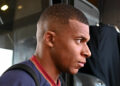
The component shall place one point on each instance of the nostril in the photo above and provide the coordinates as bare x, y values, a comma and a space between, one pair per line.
86, 55
86, 51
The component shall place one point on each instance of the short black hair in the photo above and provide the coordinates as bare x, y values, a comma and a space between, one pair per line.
63, 13
58, 14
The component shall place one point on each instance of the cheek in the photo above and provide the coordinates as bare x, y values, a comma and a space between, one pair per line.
63, 55
69, 51
66, 54
70, 54
75, 50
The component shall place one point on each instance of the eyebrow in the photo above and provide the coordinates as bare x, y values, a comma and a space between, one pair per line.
82, 36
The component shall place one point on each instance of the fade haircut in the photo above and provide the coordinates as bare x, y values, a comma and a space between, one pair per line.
58, 13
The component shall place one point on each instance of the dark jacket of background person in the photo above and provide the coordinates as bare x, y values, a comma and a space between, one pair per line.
105, 60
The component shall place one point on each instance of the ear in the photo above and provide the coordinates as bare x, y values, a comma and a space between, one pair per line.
49, 38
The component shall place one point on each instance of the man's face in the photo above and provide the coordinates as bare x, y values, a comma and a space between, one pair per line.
70, 47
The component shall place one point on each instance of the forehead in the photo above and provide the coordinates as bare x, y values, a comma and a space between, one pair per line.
76, 27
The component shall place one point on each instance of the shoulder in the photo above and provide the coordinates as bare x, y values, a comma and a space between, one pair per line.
16, 78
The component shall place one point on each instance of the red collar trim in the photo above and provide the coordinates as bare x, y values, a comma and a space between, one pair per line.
42, 71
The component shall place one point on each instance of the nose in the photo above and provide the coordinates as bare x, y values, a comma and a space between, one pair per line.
86, 51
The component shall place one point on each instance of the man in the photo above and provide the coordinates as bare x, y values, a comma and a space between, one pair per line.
62, 36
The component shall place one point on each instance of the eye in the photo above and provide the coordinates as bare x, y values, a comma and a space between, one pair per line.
78, 41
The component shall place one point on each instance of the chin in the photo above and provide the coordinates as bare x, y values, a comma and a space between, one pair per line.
74, 71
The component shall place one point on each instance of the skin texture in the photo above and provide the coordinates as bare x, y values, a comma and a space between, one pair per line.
70, 47
64, 50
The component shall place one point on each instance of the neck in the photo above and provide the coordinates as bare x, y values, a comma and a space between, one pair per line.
48, 65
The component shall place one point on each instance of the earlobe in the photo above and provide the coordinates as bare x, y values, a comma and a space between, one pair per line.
49, 38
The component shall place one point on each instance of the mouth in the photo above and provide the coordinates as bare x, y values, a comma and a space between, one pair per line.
80, 64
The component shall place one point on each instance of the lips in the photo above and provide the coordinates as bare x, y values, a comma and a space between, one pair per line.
81, 64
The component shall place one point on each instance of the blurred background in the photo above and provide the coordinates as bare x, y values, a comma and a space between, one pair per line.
18, 20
